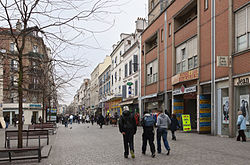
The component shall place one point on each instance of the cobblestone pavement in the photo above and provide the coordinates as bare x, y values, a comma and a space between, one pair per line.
87, 144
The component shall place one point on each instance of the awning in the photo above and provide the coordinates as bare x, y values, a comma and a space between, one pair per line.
149, 96
126, 102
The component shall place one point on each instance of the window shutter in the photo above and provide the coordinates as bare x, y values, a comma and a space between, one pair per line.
241, 23
248, 19
135, 63
136, 87
195, 46
124, 91
190, 50
178, 55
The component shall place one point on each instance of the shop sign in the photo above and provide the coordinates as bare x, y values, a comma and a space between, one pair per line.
186, 123
242, 81
35, 105
222, 61
183, 90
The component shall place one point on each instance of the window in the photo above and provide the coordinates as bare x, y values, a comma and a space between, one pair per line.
115, 76
186, 56
242, 29
152, 72
104, 78
151, 43
152, 4
14, 64
130, 67
124, 91
162, 35
13, 47
205, 4
112, 80
126, 70
120, 53
169, 29
120, 74
135, 63
35, 49
115, 60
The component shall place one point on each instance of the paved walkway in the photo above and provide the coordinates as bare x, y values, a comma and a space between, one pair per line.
87, 144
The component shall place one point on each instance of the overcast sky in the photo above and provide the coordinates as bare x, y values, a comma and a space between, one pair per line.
124, 22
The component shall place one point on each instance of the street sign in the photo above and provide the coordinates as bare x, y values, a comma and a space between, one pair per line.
186, 123
129, 83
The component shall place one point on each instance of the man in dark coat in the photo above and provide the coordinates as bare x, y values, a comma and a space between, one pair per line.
128, 128
174, 125
7, 120
100, 120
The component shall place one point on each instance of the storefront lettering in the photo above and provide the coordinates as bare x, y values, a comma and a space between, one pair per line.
242, 81
186, 90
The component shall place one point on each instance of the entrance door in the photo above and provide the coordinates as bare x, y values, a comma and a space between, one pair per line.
190, 106
35, 115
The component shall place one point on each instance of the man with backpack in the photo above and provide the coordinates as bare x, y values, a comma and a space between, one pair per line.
163, 123
148, 123
127, 126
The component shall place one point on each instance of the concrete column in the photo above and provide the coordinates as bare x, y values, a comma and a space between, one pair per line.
232, 113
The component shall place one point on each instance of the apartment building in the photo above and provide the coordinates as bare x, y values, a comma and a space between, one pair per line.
36, 83
194, 61
131, 65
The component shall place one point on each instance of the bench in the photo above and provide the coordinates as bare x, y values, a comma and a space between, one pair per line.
9, 151
47, 126
27, 134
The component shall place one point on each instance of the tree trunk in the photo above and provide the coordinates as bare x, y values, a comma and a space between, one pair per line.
20, 108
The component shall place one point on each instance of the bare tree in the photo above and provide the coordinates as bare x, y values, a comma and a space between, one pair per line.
52, 20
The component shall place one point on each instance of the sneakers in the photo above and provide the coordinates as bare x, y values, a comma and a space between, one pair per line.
168, 152
153, 155
143, 153
132, 154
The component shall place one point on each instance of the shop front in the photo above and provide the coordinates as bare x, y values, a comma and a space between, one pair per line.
29, 110
185, 102
112, 106
154, 103
242, 98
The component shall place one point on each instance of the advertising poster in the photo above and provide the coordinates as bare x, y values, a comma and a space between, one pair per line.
244, 106
51, 114
186, 123
205, 113
225, 110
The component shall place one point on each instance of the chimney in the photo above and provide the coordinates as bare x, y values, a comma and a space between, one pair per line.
114, 46
18, 26
141, 24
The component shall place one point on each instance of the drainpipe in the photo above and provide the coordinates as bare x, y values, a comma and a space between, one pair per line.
213, 112
232, 131
165, 63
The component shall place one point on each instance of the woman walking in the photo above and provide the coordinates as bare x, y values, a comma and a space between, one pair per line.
241, 123
174, 125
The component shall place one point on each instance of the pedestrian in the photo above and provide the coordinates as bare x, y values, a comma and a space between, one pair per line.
241, 123
23, 119
14, 120
148, 123
33, 119
174, 125
100, 120
7, 121
127, 126
65, 121
92, 119
116, 116
163, 122
107, 119
71, 118
40, 119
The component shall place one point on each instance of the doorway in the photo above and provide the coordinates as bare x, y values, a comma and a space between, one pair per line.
190, 106
35, 115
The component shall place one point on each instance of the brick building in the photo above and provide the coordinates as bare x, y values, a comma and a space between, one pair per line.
38, 81
194, 60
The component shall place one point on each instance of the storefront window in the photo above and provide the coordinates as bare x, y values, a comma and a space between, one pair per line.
242, 103
225, 111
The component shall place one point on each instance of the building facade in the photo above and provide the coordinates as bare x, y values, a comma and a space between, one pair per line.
193, 62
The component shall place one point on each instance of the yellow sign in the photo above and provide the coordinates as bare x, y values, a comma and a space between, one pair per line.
186, 123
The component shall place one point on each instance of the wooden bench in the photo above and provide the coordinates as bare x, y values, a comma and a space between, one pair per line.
47, 126
21, 150
27, 134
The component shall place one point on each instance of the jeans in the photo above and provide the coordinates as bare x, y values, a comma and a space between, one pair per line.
162, 132
148, 136
7, 124
128, 141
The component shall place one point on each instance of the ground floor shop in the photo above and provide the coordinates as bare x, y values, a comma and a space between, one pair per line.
111, 107
29, 110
